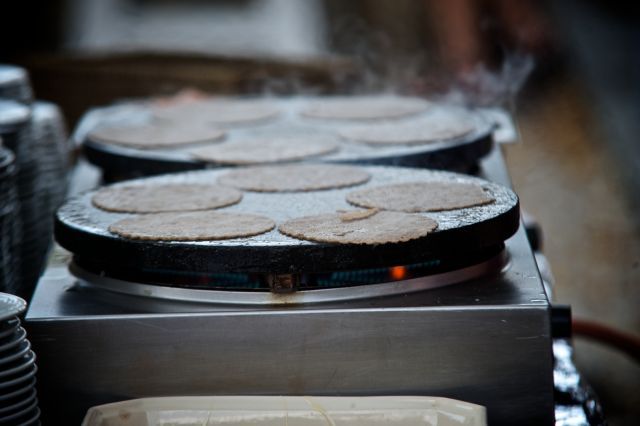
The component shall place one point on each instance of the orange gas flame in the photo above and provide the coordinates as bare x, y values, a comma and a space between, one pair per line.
398, 272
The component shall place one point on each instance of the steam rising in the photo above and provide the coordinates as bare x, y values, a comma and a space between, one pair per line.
383, 69
484, 87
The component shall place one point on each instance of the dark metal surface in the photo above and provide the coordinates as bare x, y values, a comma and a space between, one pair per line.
118, 162
83, 230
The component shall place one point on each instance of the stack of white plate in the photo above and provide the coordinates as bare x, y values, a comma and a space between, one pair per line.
9, 229
18, 399
50, 152
36, 136
14, 84
14, 129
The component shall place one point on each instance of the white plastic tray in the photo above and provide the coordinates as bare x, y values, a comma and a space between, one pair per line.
287, 411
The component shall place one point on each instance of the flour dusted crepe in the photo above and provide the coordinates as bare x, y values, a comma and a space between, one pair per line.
266, 150
155, 198
421, 196
368, 228
157, 135
349, 215
425, 130
294, 177
192, 226
219, 111
365, 107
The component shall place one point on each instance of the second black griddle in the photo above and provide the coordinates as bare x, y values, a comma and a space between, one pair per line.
121, 162
83, 229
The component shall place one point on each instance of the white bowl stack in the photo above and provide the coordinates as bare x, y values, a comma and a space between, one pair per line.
34, 132
18, 399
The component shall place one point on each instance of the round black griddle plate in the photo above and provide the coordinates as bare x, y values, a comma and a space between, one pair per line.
83, 229
454, 154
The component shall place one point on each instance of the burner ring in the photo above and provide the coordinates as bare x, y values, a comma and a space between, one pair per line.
495, 264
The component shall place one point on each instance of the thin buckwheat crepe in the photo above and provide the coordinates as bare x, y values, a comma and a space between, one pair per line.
156, 198
365, 107
415, 132
192, 226
219, 111
157, 135
421, 196
377, 227
294, 177
266, 150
